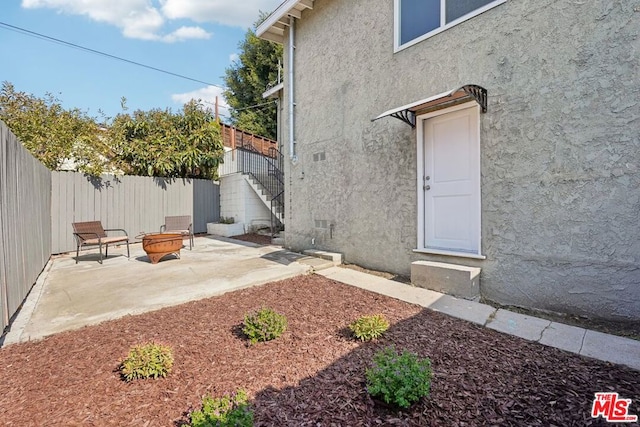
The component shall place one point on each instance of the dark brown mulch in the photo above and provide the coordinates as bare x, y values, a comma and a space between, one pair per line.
259, 239
311, 376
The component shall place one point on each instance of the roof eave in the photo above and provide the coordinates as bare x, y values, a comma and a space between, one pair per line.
273, 27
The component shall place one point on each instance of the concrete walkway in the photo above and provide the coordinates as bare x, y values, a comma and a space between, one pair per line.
69, 296
610, 348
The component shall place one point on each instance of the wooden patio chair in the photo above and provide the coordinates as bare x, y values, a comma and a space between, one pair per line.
91, 233
179, 224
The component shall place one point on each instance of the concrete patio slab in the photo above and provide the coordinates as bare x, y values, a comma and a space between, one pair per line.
70, 295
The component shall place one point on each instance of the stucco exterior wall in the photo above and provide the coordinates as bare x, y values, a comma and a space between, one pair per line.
560, 145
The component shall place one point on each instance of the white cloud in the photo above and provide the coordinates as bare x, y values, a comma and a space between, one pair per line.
241, 13
111, 11
138, 19
207, 94
141, 24
185, 33
234, 57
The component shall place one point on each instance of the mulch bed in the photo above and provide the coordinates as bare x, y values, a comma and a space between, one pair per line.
259, 239
313, 375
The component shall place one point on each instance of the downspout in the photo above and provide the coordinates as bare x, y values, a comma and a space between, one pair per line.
292, 143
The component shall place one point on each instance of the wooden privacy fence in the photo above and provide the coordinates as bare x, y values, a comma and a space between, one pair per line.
25, 222
37, 207
136, 203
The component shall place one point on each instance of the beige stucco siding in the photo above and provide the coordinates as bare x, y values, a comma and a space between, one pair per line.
560, 145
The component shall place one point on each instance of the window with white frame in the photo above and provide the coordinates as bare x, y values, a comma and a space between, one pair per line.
416, 20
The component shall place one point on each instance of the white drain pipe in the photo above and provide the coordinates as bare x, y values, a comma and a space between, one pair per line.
292, 104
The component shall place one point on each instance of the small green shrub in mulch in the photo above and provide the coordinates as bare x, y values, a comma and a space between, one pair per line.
149, 360
227, 220
399, 379
368, 328
225, 411
264, 325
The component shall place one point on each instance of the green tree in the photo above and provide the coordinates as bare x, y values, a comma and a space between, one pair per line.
247, 79
153, 143
162, 143
53, 134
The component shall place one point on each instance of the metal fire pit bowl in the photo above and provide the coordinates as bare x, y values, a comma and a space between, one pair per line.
158, 245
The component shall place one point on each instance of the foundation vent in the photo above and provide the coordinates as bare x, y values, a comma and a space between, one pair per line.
321, 223
317, 157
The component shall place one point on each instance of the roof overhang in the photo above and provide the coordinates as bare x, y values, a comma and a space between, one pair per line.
274, 26
407, 113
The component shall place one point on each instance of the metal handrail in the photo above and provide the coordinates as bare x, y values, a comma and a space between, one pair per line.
277, 202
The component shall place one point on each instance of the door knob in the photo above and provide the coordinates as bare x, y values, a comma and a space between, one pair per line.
427, 187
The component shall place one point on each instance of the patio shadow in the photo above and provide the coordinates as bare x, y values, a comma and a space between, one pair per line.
145, 258
283, 257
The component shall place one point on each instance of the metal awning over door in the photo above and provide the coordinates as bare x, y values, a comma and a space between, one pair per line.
407, 113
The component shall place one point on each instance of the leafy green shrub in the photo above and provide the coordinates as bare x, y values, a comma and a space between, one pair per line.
150, 360
399, 379
227, 220
232, 411
264, 325
367, 328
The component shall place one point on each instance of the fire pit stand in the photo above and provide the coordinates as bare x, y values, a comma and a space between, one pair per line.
158, 245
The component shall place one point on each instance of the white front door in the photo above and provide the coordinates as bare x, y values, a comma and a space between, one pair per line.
451, 181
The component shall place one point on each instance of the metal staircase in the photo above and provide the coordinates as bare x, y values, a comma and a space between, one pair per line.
264, 174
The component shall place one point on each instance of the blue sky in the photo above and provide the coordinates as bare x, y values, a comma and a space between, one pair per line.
194, 38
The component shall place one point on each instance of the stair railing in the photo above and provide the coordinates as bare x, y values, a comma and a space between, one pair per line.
268, 172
